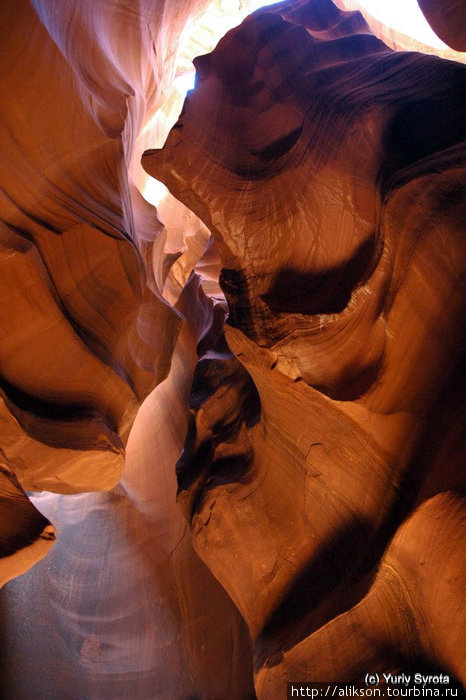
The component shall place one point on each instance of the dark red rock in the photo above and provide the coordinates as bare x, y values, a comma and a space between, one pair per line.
331, 172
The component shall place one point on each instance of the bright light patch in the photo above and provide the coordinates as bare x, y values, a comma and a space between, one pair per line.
154, 191
404, 16
255, 4
185, 81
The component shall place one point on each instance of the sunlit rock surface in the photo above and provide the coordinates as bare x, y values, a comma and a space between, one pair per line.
123, 607
316, 441
331, 173
78, 353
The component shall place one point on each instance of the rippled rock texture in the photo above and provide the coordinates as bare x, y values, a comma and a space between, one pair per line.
324, 452
316, 440
78, 308
122, 607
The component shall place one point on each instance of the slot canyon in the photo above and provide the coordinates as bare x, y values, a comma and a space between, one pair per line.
232, 386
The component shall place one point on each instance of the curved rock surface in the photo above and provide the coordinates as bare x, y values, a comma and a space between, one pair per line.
122, 604
331, 172
448, 20
86, 332
87, 335
316, 439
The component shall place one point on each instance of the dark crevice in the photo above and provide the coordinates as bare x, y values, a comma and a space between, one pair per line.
323, 292
45, 409
217, 452
278, 148
70, 425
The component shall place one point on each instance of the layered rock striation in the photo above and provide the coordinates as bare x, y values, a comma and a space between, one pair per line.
94, 318
330, 170
86, 332
294, 325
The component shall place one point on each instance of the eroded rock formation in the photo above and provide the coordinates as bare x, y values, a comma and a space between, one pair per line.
316, 440
330, 171
77, 355
448, 20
